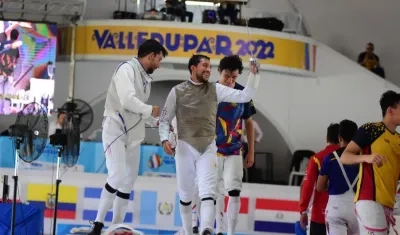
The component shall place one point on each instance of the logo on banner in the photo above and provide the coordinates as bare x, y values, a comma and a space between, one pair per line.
279, 215
165, 208
50, 201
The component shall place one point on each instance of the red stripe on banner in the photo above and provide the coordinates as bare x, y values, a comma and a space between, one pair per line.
274, 204
244, 205
314, 57
48, 213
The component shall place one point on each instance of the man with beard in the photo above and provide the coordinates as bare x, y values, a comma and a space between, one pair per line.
123, 129
194, 103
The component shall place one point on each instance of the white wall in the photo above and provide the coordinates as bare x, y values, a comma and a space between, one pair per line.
354, 23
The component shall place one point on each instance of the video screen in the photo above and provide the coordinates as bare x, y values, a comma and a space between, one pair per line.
27, 65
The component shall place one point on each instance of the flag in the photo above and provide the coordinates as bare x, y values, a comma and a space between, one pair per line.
156, 209
43, 196
275, 216
91, 201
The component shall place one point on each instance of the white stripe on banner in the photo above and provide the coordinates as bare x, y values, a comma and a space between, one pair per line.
243, 222
276, 216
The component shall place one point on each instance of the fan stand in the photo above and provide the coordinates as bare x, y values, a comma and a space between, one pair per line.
15, 177
19, 132
59, 140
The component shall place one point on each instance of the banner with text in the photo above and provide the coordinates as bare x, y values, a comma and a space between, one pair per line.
111, 42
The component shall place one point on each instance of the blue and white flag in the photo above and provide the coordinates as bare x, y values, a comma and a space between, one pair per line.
155, 210
91, 201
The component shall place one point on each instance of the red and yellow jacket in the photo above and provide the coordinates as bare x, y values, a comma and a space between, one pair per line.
308, 187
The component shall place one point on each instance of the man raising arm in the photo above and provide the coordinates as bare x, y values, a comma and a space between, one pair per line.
195, 103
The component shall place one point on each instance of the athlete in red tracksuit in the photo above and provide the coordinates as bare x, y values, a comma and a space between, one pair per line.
317, 226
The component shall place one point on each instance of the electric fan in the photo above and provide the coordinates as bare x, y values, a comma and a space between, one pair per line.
78, 118
29, 134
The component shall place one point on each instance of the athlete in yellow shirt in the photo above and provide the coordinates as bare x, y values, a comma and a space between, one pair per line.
376, 147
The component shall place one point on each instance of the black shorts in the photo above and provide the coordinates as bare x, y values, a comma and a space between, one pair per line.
317, 229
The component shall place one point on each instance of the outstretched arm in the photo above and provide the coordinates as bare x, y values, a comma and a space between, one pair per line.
127, 94
227, 94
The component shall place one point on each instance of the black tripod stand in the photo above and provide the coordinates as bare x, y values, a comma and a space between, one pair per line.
58, 139
20, 132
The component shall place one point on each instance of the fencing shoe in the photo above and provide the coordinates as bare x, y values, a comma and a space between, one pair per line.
207, 232
96, 228
195, 230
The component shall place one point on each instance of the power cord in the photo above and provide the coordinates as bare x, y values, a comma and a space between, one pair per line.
112, 142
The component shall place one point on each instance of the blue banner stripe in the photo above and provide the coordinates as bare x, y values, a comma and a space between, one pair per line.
96, 193
274, 227
91, 215
307, 56
92, 192
148, 208
61, 205
177, 214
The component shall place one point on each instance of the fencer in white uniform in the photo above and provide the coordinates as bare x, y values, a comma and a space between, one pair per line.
195, 201
125, 115
340, 216
194, 103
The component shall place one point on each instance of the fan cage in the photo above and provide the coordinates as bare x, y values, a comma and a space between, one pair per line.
34, 116
71, 131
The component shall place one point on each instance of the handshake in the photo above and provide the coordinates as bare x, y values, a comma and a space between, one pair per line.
155, 112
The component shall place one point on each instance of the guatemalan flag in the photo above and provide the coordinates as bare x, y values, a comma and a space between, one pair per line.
155, 209
91, 201
276, 216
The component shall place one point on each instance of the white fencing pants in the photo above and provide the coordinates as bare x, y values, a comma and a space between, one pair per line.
122, 158
230, 173
340, 216
373, 218
191, 164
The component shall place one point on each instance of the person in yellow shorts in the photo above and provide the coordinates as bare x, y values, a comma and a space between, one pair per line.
376, 147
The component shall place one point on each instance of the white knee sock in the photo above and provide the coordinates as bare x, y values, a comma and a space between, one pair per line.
120, 207
220, 214
194, 214
106, 201
232, 213
186, 217
207, 214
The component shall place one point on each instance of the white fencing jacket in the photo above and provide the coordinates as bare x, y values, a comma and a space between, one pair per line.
126, 99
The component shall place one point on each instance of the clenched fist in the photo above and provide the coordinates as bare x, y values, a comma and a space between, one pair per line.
155, 112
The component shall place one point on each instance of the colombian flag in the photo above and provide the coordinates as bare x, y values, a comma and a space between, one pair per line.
43, 196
